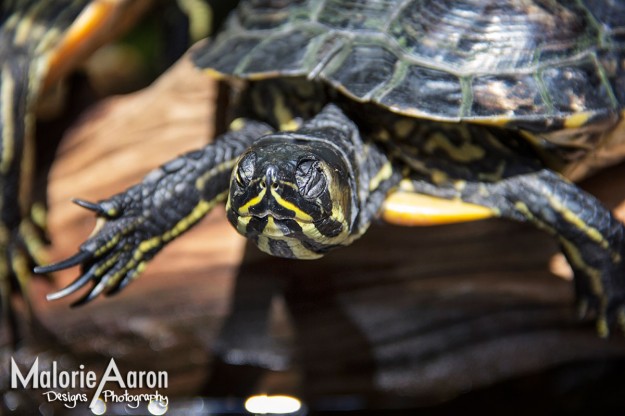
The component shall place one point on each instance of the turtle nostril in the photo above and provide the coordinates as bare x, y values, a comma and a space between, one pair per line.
270, 179
271, 173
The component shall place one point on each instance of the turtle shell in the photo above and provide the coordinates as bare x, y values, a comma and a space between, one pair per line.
494, 61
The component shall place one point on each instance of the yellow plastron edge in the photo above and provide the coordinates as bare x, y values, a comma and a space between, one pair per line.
412, 209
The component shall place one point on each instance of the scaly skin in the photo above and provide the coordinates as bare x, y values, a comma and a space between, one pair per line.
137, 224
511, 181
339, 192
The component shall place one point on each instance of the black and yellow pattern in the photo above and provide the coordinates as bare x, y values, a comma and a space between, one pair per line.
346, 103
29, 32
301, 194
509, 179
134, 227
40, 41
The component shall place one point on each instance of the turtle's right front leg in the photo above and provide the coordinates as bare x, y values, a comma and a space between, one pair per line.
134, 225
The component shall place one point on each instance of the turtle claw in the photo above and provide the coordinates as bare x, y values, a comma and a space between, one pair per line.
102, 209
107, 279
91, 206
105, 259
132, 228
74, 260
72, 287
125, 238
92, 294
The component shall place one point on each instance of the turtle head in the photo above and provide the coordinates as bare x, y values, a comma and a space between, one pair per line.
291, 197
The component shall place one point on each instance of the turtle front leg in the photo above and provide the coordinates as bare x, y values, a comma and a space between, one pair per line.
135, 225
500, 170
592, 239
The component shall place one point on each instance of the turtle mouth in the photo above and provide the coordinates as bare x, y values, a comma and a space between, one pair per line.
277, 228
275, 217
268, 225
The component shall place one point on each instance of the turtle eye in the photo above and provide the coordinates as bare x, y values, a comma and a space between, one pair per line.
245, 169
310, 178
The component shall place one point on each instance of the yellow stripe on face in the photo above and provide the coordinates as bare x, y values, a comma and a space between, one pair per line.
245, 209
412, 209
271, 229
299, 214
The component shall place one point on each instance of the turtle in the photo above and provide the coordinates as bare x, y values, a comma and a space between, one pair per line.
344, 111
40, 43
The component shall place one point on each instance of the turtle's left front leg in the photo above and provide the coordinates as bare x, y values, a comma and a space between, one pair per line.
135, 225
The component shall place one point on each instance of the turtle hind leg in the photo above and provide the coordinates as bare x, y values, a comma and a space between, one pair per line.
592, 239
